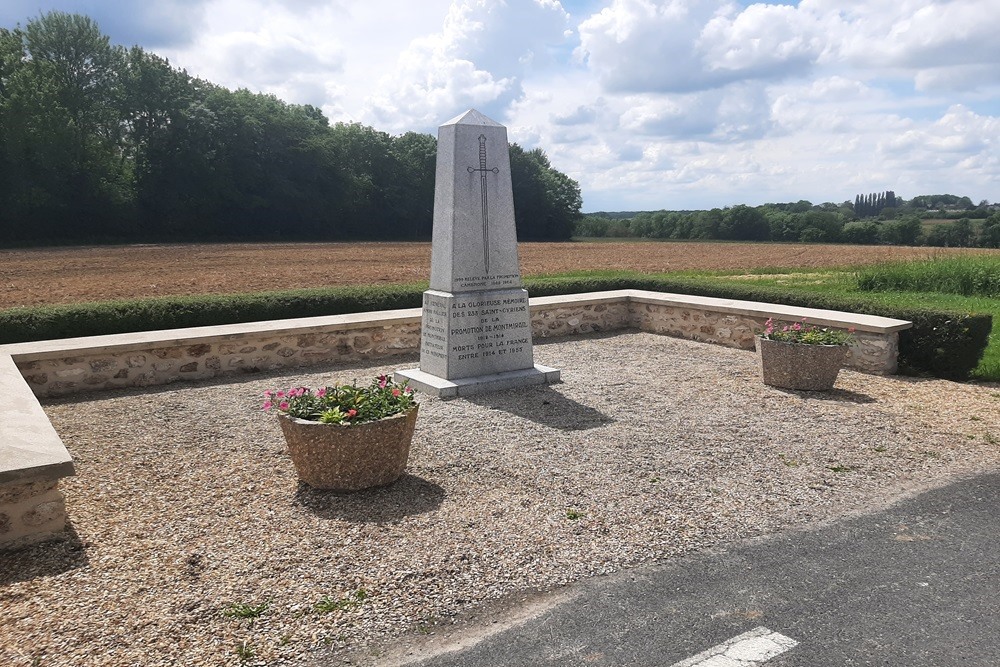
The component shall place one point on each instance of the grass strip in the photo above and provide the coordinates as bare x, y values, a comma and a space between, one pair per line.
968, 275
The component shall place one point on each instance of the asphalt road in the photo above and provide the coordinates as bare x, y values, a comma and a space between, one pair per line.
915, 585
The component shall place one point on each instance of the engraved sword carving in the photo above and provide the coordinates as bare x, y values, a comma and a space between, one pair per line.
485, 201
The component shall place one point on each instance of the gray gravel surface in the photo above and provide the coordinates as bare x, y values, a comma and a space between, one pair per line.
193, 544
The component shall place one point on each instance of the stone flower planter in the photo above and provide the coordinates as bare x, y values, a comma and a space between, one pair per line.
349, 458
799, 365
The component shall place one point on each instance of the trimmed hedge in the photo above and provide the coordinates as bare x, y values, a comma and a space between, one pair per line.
176, 312
941, 343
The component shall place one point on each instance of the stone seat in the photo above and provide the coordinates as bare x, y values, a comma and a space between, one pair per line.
32, 461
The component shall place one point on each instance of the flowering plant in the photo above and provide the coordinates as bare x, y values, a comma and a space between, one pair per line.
343, 403
799, 332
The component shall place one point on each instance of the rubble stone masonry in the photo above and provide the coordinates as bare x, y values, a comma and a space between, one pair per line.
30, 512
164, 361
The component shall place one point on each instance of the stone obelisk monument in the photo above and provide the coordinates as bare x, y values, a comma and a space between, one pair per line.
476, 328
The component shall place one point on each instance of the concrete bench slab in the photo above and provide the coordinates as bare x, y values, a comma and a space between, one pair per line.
32, 461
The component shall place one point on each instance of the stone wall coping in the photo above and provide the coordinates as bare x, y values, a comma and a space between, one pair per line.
583, 299
30, 448
145, 340
833, 318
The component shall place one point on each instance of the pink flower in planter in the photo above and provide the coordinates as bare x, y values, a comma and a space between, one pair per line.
341, 403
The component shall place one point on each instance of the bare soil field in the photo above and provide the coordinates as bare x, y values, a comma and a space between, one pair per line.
97, 273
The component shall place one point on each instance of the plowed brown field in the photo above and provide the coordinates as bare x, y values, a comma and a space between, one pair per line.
69, 275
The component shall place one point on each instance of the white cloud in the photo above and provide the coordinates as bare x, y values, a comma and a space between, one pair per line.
648, 103
762, 41
959, 78
938, 34
678, 46
957, 135
640, 46
478, 59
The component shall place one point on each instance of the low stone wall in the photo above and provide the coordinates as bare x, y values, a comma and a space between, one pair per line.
871, 352
550, 319
171, 361
30, 512
32, 461
54, 368
33, 458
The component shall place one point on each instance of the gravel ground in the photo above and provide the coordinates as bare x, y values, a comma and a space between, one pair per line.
193, 544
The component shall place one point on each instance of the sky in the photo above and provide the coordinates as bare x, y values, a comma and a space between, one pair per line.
681, 104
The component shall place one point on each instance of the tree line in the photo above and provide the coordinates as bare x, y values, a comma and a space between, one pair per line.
104, 143
937, 220
902, 224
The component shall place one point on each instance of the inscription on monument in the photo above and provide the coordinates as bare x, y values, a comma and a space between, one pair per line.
475, 330
488, 282
434, 330
478, 328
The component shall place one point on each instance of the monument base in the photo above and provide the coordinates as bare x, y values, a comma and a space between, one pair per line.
437, 386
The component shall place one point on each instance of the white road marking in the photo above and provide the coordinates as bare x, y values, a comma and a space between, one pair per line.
747, 650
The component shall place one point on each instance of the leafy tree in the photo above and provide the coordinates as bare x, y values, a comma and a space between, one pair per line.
860, 232
989, 233
591, 226
872, 204
941, 236
62, 133
941, 202
413, 197
743, 223
100, 142
706, 224
821, 226
903, 231
784, 226
546, 202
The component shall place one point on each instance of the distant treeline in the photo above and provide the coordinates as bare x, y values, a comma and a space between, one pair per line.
899, 224
102, 143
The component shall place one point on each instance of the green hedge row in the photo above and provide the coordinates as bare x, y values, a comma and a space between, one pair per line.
175, 312
943, 344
